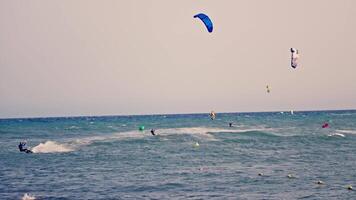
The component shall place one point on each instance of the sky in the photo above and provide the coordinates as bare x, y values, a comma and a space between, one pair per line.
125, 57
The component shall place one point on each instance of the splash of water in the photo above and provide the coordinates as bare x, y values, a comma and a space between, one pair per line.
28, 197
51, 147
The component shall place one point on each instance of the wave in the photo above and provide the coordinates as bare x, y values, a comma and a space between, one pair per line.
28, 197
207, 132
342, 114
76, 143
346, 131
203, 133
336, 135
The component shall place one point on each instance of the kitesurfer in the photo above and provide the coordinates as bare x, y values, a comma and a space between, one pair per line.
325, 125
153, 131
230, 124
22, 147
212, 115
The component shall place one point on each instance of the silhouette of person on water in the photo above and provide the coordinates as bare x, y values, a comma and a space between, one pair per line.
22, 147
153, 131
230, 124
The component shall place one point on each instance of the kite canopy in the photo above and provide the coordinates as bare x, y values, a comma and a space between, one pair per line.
206, 20
294, 58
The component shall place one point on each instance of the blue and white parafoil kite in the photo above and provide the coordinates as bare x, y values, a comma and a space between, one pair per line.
206, 20
294, 58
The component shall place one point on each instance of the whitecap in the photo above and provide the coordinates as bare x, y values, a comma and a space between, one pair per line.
347, 131
28, 197
336, 135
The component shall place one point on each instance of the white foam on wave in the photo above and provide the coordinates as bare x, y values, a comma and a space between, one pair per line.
204, 133
74, 144
346, 131
28, 197
116, 136
201, 132
336, 135
51, 147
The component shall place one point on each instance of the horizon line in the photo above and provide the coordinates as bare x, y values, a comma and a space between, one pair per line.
158, 114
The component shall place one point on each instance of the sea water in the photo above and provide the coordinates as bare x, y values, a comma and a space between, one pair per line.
109, 158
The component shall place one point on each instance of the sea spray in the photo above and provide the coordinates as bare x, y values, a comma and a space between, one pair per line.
51, 147
28, 197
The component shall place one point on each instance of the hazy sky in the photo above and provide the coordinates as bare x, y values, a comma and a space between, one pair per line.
64, 57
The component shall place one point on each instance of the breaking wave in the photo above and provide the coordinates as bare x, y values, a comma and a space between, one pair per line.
74, 144
347, 131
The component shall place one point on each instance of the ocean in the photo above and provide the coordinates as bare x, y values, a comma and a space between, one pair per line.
269, 155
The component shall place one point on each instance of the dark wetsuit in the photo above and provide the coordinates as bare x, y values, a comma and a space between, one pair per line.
22, 148
153, 132
230, 124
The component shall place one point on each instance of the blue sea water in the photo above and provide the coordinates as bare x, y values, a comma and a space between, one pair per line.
108, 158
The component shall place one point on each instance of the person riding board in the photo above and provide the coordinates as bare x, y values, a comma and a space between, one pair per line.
153, 131
22, 147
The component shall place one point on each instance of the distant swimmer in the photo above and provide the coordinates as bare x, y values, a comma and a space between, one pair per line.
153, 131
230, 124
22, 147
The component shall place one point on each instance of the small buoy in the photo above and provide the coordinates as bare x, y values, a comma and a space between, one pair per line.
349, 187
141, 128
320, 182
196, 144
260, 174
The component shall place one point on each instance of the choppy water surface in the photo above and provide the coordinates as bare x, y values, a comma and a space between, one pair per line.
108, 158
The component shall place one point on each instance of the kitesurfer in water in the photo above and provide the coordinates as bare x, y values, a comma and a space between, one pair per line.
22, 147
325, 125
153, 131
230, 124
